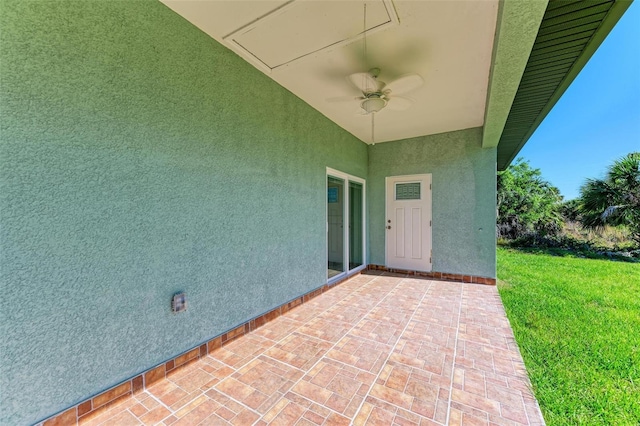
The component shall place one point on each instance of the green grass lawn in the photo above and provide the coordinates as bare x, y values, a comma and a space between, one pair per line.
577, 322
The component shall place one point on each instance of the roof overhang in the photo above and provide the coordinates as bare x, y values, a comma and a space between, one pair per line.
516, 31
569, 34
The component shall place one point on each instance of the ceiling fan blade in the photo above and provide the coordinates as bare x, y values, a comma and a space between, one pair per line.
404, 84
341, 99
364, 82
399, 103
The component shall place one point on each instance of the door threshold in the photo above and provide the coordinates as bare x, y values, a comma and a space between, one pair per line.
346, 275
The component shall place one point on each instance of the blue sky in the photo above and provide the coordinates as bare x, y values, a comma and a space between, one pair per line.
598, 119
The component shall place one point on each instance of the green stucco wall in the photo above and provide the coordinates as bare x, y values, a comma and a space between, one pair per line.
139, 158
463, 197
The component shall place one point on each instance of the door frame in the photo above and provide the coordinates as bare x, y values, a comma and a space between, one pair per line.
345, 233
409, 178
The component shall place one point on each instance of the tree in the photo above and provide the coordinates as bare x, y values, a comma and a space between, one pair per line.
614, 200
527, 203
570, 210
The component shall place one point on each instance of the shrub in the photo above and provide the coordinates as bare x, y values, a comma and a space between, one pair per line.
527, 204
614, 200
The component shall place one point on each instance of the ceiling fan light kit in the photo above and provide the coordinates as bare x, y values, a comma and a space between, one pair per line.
376, 94
373, 103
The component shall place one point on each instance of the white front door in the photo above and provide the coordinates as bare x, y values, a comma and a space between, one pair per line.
408, 222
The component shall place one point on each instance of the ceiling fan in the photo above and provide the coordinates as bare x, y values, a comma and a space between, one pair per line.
377, 95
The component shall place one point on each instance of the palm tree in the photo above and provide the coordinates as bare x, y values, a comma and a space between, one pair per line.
614, 200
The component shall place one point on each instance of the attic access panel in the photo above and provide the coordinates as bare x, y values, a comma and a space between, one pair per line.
301, 28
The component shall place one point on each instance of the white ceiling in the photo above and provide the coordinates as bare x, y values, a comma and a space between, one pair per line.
310, 47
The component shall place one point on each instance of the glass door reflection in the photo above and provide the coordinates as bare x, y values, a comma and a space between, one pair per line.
335, 226
356, 204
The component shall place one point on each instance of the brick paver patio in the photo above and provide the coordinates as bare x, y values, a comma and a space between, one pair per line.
379, 349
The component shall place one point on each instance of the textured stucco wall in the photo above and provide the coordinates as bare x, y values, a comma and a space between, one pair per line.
138, 158
463, 197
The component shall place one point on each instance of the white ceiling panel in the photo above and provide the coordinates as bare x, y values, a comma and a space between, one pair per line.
305, 27
311, 47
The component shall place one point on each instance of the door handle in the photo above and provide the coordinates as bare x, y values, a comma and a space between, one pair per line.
388, 227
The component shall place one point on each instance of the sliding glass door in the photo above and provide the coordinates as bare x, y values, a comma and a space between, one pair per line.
345, 224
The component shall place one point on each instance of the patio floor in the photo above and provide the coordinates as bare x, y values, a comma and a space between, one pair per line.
378, 349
